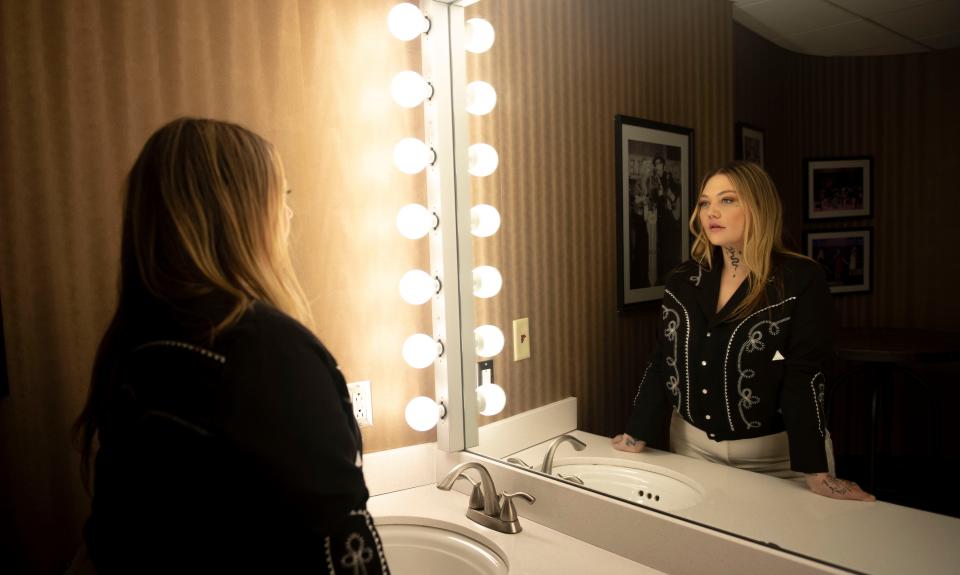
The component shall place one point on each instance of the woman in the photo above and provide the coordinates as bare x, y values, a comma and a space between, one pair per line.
746, 329
226, 438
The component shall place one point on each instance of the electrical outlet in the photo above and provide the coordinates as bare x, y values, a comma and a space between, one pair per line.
485, 372
362, 405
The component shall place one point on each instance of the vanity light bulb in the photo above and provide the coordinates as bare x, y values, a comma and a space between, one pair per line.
489, 340
420, 350
481, 98
484, 220
491, 399
415, 221
483, 160
422, 413
478, 35
406, 21
417, 287
487, 281
412, 156
409, 89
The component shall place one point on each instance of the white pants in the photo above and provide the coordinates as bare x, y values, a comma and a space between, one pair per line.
769, 454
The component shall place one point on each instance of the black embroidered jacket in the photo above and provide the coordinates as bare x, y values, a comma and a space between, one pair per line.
236, 456
737, 379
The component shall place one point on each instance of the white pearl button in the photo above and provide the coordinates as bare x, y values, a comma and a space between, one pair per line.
708, 417
704, 390
704, 362
713, 435
708, 334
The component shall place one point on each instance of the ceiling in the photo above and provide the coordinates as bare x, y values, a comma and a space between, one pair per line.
853, 27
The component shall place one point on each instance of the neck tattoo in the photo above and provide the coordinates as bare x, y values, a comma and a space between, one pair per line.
734, 259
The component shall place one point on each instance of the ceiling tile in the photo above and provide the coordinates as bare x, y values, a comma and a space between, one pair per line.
845, 39
789, 17
870, 8
762, 29
897, 45
934, 19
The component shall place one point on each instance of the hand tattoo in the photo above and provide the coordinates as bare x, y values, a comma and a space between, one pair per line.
734, 259
837, 486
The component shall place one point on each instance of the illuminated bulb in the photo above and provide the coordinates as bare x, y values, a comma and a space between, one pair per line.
412, 156
491, 399
409, 89
478, 35
415, 221
420, 350
422, 413
483, 160
481, 98
489, 340
487, 281
406, 21
417, 287
484, 220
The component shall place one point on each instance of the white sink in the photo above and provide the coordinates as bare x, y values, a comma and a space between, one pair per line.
643, 484
423, 546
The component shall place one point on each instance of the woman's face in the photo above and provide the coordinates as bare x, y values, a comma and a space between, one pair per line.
721, 213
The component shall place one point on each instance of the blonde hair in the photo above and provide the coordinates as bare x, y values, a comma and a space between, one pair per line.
203, 214
762, 232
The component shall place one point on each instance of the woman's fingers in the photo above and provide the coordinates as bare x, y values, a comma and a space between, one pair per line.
624, 442
836, 488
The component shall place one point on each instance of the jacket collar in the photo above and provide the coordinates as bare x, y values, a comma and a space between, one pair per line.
707, 284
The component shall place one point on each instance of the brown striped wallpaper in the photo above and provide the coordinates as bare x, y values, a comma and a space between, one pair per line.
563, 69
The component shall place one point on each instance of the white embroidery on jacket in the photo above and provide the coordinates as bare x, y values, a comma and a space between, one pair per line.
818, 401
642, 379
686, 346
754, 342
696, 279
376, 539
726, 357
326, 550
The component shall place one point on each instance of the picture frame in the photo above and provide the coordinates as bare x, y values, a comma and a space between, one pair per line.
749, 143
846, 256
838, 188
654, 184
4, 382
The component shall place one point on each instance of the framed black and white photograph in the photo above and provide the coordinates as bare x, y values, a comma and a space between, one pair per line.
4, 383
838, 188
846, 257
749, 144
654, 183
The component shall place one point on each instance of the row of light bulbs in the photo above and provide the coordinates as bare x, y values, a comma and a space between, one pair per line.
411, 156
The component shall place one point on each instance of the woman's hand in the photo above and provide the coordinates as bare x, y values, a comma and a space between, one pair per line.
624, 442
824, 484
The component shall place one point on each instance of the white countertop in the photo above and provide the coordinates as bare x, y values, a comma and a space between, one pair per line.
876, 538
537, 550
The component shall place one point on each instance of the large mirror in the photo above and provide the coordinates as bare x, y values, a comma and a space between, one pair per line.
563, 71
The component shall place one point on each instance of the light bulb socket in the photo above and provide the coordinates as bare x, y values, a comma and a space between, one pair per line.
433, 157
430, 91
439, 286
443, 409
429, 25
440, 348
436, 220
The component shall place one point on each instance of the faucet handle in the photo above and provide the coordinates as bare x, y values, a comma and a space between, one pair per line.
476, 494
518, 461
508, 513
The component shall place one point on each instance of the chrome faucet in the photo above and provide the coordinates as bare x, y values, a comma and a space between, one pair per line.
547, 465
487, 507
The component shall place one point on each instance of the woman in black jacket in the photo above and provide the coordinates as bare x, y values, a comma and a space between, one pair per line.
745, 331
225, 438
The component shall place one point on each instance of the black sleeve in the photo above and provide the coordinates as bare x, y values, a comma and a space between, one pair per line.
289, 414
651, 404
810, 347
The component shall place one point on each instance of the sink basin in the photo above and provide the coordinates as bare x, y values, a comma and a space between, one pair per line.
647, 485
425, 546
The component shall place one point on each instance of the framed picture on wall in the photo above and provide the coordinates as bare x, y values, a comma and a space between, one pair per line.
654, 184
846, 256
838, 188
749, 144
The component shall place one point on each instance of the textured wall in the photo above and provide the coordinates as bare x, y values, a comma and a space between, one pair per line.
563, 69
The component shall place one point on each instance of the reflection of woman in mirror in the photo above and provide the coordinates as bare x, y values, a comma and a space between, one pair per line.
226, 440
745, 333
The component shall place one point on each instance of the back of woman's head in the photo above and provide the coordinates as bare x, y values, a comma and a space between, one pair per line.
204, 213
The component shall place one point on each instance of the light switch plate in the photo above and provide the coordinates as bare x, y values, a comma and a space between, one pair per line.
521, 339
362, 403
